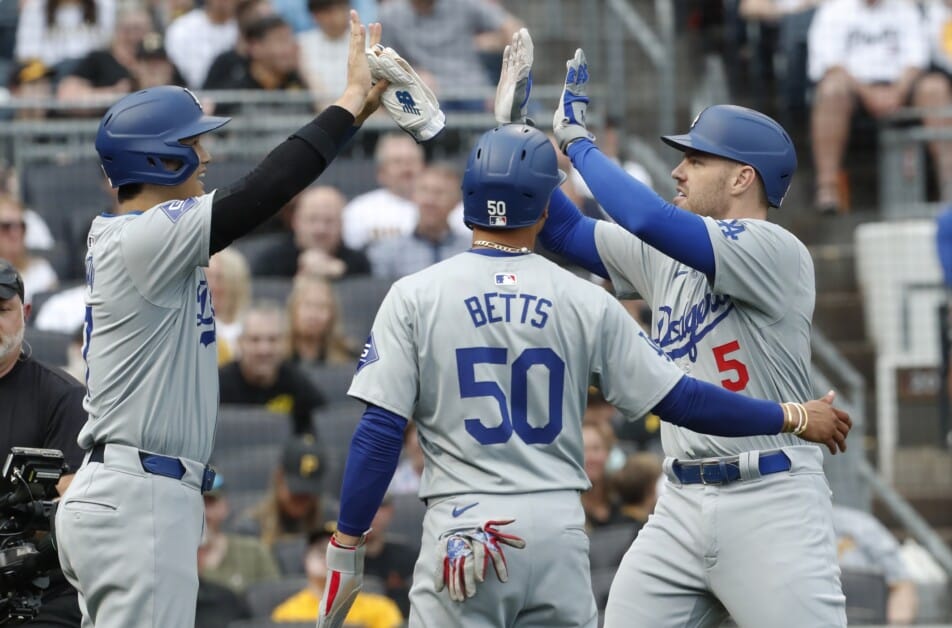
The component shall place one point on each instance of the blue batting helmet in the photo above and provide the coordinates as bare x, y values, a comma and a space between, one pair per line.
144, 128
509, 178
747, 136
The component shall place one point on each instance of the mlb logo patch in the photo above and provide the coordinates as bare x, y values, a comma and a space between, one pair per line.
505, 279
497, 221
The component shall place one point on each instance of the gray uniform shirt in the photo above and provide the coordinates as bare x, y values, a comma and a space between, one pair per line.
152, 375
748, 332
492, 357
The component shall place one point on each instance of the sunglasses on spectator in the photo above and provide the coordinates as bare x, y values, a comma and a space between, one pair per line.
12, 226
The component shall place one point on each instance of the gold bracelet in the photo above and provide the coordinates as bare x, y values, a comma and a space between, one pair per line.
803, 420
787, 422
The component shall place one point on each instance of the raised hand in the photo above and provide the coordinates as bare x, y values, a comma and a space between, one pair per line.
568, 123
515, 80
408, 100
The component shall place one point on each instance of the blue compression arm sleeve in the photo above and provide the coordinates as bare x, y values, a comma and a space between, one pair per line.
675, 232
709, 409
374, 453
569, 233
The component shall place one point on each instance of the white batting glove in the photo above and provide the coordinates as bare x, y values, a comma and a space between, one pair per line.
515, 80
568, 123
463, 556
345, 566
410, 102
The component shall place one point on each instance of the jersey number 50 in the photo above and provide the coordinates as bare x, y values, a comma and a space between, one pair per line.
514, 411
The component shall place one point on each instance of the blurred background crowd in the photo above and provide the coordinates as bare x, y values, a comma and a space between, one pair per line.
863, 86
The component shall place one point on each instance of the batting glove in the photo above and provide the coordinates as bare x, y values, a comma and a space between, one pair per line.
568, 123
464, 555
345, 579
410, 102
515, 80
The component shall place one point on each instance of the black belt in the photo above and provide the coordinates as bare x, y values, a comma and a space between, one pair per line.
726, 470
157, 464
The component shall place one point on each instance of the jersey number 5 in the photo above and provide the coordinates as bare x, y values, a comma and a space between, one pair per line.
514, 411
728, 365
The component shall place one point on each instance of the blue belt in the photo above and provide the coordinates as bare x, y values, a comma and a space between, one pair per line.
158, 464
726, 470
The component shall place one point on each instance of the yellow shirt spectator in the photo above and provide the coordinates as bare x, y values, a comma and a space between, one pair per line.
369, 610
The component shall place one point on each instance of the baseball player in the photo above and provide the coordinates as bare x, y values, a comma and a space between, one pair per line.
491, 353
732, 299
130, 524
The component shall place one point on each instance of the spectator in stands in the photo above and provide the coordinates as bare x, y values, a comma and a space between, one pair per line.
196, 38
63, 31
315, 244
406, 479
109, 71
369, 610
316, 336
421, 30
42, 407
860, 51
234, 61
934, 90
389, 210
232, 560
31, 80
436, 194
636, 485
38, 275
599, 503
793, 18
293, 504
153, 66
323, 50
389, 559
272, 60
218, 606
865, 543
263, 375
229, 282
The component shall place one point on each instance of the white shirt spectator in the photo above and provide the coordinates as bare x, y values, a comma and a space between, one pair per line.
64, 312
38, 277
38, 235
323, 63
939, 21
68, 38
192, 42
375, 216
874, 44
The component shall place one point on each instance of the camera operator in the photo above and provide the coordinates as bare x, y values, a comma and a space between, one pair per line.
42, 407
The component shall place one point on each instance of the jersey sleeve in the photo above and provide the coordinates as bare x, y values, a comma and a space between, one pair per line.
634, 373
756, 263
387, 372
165, 244
629, 261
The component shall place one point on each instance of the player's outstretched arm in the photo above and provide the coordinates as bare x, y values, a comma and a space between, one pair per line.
633, 205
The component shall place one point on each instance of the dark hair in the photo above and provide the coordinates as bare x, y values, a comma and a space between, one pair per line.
129, 191
320, 5
90, 11
637, 478
259, 29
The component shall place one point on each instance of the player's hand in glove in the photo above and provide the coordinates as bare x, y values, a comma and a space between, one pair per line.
411, 104
345, 578
515, 80
568, 123
464, 555
823, 423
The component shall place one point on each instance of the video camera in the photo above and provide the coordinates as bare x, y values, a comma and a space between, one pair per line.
29, 476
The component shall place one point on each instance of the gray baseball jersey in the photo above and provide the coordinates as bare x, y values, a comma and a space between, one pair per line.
152, 375
749, 331
492, 356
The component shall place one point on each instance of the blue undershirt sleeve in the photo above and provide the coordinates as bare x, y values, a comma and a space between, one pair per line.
709, 409
569, 233
371, 462
675, 232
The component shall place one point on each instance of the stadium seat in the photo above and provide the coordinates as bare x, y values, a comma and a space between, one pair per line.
866, 596
247, 468
250, 426
333, 380
263, 597
275, 289
608, 544
239, 503
359, 298
289, 554
351, 175
335, 423
58, 190
407, 523
49, 347
253, 246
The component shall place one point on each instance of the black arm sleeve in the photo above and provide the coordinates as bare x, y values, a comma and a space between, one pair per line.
288, 169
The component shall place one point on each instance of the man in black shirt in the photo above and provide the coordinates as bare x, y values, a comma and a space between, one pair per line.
42, 407
263, 375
